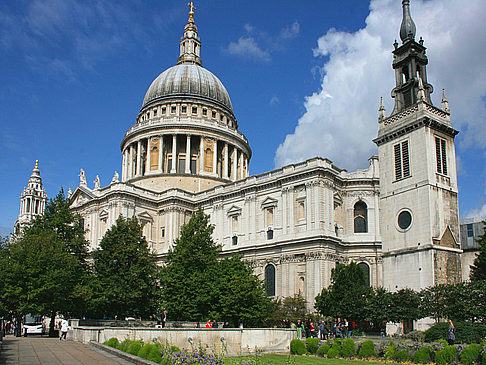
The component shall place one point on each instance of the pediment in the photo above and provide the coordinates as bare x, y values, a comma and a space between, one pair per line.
234, 210
448, 239
80, 197
145, 216
269, 202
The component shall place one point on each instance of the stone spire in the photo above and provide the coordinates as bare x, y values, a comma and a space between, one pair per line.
407, 29
445, 102
382, 111
32, 201
190, 44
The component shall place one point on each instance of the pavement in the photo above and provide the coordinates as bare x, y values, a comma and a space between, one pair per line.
35, 350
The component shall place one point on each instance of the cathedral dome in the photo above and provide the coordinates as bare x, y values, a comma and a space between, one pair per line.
188, 80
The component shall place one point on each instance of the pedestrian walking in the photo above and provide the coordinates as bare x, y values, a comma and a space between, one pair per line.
64, 330
451, 333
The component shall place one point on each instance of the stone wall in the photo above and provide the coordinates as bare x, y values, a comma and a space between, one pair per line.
231, 341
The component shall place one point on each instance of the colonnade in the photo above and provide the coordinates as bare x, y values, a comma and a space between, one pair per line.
183, 154
30, 205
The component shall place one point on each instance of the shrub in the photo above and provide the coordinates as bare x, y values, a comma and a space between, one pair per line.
135, 347
146, 350
175, 349
112, 342
297, 347
401, 355
322, 350
466, 332
418, 336
311, 345
348, 348
335, 350
470, 354
422, 355
447, 355
390, 351
367, 349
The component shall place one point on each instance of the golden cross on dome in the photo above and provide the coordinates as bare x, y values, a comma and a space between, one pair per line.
191, 12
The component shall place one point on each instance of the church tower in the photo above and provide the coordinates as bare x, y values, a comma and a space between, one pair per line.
418, 182
32, 201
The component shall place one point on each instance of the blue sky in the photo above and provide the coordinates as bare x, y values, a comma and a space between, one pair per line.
304, 78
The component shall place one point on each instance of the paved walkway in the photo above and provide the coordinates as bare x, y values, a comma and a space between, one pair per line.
50, 351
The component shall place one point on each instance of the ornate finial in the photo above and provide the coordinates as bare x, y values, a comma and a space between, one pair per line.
36, 164
445, 102
407, 28
382, 111
191, 12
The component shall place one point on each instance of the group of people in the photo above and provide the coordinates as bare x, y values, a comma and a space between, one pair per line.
212, 324
323, 330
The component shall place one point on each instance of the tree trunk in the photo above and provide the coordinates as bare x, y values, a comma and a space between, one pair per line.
52, 324
18, 330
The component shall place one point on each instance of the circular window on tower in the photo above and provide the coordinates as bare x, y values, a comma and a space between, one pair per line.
404, 220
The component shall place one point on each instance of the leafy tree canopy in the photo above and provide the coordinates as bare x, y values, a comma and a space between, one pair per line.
196, 285
478, 269
126, 273
347, 295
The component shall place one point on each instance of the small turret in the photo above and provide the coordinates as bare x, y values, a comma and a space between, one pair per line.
445, 102
190, 45
382, 111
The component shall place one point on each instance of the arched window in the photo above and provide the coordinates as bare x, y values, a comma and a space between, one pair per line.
270, 280
366, 270
360, 217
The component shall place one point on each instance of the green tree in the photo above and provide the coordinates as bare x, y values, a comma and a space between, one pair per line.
126, 272
290, 308
45, 267
347, 295
379, 306
196, 285
478, 269
241, 295
405, 306
189, 277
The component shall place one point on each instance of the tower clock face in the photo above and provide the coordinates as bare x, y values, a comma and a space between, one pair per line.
404, 219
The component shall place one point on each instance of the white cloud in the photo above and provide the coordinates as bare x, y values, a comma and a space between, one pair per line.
247, 47
274, 100
258, 45
340, 120
477, 213
291, 31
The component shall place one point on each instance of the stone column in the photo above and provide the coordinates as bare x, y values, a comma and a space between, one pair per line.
225, 163
242, 170
284, 210
174, 154
215, 158
188, 154
139, 157
149, 160
308, 205
235, 164
317, 211
161, 153
130, 162
201, 155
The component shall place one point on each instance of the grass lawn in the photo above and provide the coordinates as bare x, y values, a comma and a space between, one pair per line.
290, 360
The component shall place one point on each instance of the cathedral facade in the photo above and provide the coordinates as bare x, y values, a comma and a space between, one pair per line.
398, 219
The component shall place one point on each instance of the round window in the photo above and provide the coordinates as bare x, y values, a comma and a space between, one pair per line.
404, 219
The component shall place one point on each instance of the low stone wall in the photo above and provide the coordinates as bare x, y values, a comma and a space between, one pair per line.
231, 341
